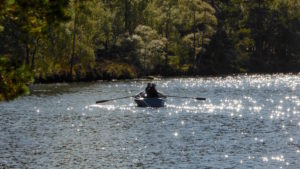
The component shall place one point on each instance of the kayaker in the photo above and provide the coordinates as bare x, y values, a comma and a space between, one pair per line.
152, 92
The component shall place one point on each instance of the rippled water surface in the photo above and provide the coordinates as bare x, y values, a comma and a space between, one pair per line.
246, 122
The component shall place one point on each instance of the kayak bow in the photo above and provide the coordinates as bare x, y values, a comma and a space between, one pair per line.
149, 102
142, 100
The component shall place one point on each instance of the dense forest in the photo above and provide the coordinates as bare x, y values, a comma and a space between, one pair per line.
82, 40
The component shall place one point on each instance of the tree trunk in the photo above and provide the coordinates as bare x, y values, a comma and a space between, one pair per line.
213, 4
74, 43
34, 52
127, 8
194, 40
106, 42
200, 54
167, 36
27, 54
259, 41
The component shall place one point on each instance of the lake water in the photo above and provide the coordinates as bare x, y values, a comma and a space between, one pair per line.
246, 122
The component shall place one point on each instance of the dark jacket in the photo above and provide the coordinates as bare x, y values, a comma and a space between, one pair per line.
151, 92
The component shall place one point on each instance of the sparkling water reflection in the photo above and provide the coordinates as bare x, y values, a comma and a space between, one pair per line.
246, 122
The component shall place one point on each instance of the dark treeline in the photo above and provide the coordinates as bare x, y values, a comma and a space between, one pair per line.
78, 40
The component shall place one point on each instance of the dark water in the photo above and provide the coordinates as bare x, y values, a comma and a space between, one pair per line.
246, 122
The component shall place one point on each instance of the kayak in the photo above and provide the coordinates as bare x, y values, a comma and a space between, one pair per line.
142, 100
150, 102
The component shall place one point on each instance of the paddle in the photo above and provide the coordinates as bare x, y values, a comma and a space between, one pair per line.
197, 98
102, 101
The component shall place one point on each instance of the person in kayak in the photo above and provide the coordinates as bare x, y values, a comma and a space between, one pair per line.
152, 92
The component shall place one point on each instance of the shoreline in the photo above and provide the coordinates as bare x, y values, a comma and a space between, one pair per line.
158, 77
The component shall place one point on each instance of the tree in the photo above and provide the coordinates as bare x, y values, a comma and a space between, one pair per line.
229, 50
198, 24
273, 25
163, 12
151, 49
28, 19
22, 23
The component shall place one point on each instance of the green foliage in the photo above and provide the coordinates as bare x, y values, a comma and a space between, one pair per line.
274, 27
119, 71
197, 23
22, 24
151, 51
127, 38
13, 80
